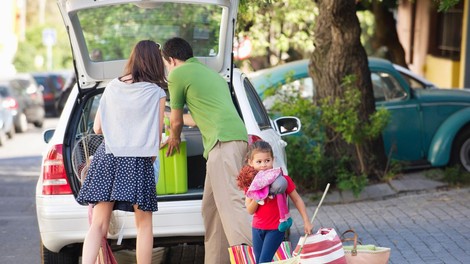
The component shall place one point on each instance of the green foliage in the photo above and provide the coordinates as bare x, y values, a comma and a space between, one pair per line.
278, 30
456, 176
445, 5
33, 49
306, 157
392, 170
350, 181
341, 115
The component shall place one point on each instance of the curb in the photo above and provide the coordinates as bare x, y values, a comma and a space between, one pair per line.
414, 182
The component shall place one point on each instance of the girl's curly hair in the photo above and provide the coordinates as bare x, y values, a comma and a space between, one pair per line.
245, 177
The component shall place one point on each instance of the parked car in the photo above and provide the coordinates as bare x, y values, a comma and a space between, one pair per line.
23, 97
52, 83
429, 126
7, 128
63, 222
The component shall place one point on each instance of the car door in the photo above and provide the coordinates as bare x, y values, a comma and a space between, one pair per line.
403, 135
257, 120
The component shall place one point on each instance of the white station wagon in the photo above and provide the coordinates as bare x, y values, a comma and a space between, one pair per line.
102, 34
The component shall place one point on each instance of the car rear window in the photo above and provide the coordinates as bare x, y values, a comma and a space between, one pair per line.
121, 26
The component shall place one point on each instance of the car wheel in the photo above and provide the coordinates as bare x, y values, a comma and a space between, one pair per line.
63, 257
22, 125
39, 124
11, 133
461, 150
3, 138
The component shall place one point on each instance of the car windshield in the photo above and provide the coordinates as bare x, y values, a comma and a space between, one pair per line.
111, 31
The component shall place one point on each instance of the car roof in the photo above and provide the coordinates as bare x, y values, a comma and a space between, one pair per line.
266, 78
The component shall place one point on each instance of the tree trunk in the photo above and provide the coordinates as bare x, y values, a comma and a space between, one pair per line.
338, 53
386, 34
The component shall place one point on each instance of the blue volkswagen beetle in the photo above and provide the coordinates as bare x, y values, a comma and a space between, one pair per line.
429, 126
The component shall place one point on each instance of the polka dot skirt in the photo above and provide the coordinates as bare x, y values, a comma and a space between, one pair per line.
124, 180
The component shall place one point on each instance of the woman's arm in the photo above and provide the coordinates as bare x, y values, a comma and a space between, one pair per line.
300, 205
97, 123
161, 115
251, 205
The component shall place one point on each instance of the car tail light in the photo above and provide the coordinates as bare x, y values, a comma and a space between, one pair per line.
54, 178
48, 96
253, 138
10, 103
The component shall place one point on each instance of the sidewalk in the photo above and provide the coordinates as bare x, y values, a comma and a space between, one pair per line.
420, 219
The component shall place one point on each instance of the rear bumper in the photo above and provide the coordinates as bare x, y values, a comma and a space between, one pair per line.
62, 221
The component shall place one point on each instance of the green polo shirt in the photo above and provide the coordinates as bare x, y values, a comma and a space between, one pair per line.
208, 98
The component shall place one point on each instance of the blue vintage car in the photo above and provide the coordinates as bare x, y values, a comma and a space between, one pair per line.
429, 126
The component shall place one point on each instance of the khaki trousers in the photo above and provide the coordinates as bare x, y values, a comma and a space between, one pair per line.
226, 220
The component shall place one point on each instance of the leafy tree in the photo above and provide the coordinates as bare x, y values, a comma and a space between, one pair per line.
32, 47
338, 53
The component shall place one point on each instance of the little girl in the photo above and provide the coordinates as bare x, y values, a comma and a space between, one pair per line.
266, 236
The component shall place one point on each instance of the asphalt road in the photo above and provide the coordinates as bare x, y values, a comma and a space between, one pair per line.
20, 161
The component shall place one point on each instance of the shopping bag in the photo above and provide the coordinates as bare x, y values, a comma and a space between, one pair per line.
296, 257
358, 253
325, 246
243, 254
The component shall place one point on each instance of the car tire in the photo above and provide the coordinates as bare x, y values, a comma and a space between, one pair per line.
11, 133
22, 124
461, 149
63, 257
39, 124
3, 138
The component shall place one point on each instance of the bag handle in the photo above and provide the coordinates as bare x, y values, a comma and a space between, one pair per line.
354, 239
314, 215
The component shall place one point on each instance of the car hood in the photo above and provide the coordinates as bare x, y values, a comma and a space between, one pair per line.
102, 33
442, 95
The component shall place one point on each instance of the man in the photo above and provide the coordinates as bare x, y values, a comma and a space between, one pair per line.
208, 99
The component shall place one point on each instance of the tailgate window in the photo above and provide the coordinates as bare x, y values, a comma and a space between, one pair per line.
121, 26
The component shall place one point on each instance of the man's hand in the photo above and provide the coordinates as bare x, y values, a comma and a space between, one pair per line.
173, 144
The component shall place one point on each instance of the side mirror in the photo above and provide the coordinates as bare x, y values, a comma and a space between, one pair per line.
47, 135
287, 125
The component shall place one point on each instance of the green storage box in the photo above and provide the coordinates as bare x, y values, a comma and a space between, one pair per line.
173, 176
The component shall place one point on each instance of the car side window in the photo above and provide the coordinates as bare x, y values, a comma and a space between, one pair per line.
256, 105
386, 87
88, 115
412, 82
18, 87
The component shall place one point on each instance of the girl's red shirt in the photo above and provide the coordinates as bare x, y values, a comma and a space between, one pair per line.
266, 216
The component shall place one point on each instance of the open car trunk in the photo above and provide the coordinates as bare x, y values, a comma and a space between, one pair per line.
179, 181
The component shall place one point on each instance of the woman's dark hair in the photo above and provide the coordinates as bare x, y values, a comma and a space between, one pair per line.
257, 147
177, 48
145, 63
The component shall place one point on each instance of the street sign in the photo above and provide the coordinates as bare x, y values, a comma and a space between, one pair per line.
49, 37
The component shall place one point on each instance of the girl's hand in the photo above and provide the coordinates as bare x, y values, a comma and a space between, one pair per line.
251, 205
308, 227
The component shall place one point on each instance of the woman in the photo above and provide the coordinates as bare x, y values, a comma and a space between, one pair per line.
121, 174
